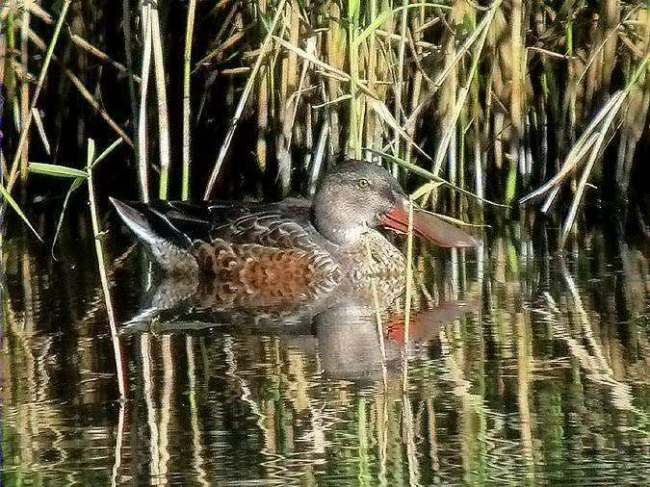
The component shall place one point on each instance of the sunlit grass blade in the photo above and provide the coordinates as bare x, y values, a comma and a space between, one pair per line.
106, 152
56, 170
429, 175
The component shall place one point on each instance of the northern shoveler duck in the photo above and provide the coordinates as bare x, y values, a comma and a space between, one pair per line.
295, 248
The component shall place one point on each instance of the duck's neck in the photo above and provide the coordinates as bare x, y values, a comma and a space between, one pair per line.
333, 222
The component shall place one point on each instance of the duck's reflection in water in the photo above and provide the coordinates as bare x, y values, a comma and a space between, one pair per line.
342, 326
348, 340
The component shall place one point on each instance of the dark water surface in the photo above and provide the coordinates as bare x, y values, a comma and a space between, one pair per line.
524, 368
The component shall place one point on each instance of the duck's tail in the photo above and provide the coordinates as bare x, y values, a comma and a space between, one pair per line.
154, 226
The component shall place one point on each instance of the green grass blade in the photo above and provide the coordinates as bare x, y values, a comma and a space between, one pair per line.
56, 170
90, 156
9, 199
73, 187
429, 175
106, 152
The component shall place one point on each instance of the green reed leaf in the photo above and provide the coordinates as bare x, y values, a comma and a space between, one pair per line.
56, 170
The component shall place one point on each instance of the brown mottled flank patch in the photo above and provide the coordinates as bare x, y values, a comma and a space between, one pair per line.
251, 272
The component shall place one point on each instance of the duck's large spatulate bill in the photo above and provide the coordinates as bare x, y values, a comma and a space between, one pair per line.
429, 227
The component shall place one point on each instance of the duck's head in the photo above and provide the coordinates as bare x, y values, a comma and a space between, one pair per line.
357, 196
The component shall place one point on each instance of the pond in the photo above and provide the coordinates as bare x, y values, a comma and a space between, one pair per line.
520, 365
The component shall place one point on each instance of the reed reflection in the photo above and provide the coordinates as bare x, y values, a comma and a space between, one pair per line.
527, 368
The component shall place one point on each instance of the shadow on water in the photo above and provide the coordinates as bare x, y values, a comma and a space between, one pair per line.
524, 367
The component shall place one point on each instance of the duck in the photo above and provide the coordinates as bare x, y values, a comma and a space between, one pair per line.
293, 250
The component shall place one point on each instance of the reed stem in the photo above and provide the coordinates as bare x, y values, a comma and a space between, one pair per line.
163, 112
187, 102
101, 263
409, 296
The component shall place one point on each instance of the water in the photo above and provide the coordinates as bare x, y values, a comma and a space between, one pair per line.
523, 368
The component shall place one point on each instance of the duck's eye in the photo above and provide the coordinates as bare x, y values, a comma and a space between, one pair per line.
363, 183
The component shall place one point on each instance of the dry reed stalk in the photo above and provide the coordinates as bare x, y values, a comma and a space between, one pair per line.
218, 52
637, 112
517, 92
263, 106
395, 39
143, 163
83, 91
101, 263
264, 94
126, 12
37, 11
580, 147
409, 295
187, 100
163, 111
41, 130
331, 71
24, 129
101, 55
450, 128
335, 57
378, 320
319, 157
371, 70
610, 13
24, 88
416, 85
584, 149
399, 89
294, 101
290, 89
262, 117
223, 151
353, 145
596, 149
451, 63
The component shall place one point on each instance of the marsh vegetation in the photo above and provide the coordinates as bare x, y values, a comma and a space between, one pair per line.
543, 102
531, 365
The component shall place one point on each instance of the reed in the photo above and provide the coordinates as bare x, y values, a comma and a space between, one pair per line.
499, 99
101, 264
187, 105
408, 298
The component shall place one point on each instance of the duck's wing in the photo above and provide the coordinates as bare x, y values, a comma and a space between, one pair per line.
175, 232
283, 225
268, 255
182, 224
